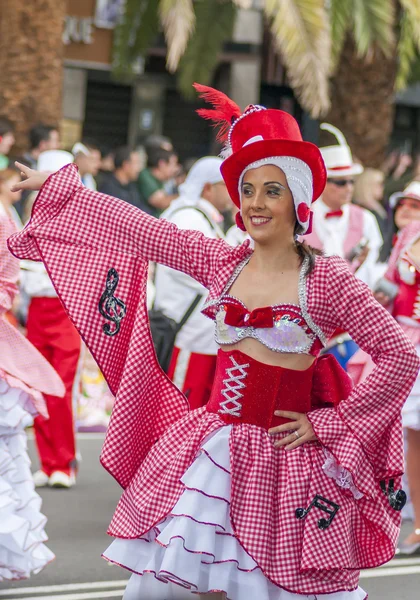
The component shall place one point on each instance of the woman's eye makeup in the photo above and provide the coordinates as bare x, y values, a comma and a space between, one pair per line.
272, 189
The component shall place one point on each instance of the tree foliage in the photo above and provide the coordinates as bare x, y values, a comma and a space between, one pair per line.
309, 35
202, 54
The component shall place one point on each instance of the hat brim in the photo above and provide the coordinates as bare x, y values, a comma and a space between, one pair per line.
355, 169
393, 199
233, 167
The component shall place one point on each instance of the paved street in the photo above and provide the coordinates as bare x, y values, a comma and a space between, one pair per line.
77, 522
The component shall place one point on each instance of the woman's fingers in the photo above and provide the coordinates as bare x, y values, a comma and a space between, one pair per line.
286, 414
33, 180
297, 442
300, 428
26, 171
288, 439
292, 426
26, 184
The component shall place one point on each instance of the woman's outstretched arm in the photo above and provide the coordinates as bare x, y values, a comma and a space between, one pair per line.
68, 213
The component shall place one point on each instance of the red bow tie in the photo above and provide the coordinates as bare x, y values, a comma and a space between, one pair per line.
334, 213
238, 316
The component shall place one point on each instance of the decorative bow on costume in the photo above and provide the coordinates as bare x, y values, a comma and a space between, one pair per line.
331, 384
239, 316
334, 213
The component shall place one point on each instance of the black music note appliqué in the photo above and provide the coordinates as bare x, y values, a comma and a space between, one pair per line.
331, 508
112, 308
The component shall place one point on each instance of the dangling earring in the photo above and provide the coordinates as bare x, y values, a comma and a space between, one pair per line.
239, 221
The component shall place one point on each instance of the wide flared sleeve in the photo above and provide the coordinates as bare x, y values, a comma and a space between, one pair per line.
71, 214
96, 249
364, 431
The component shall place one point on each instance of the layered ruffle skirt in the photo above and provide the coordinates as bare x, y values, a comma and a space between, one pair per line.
22, 534
196, 548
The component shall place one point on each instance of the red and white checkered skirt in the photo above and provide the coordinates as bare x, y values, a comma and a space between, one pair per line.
195, 549
216, 503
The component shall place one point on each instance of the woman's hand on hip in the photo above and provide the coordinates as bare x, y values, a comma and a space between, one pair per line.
299, 426
32, 180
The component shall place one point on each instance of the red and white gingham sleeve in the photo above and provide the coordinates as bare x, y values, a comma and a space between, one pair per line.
66, 210
368, 419
9, 269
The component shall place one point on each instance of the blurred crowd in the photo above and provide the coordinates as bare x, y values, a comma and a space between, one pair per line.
149, 176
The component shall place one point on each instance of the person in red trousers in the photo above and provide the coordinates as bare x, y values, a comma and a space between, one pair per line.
53, 334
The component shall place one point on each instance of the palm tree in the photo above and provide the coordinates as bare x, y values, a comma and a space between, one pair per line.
31, 59
344, 58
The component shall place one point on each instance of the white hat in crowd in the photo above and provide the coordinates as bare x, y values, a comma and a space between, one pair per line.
53, 160
204, 170
411, 191
338, 159
80, 148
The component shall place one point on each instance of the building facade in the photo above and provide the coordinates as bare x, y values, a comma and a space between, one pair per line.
96, 106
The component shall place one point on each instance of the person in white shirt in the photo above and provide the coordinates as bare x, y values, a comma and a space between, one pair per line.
203, 197
339, 227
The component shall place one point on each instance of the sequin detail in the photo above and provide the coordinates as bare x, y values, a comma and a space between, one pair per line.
230, 281
303, 302
221, 331
231, 392
252, 109
291, 331
288, 334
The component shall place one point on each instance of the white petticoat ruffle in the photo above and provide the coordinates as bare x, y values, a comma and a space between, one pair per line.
194, 549
22, 535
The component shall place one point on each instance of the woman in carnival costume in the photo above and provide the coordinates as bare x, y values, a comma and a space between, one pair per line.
286, 484
24, 373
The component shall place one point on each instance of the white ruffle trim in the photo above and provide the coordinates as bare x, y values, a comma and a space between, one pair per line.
193, 549
341, 476
22, 534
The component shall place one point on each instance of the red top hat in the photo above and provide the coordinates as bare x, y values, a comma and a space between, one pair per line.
256, 134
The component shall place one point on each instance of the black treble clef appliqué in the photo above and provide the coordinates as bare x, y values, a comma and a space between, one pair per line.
112, 308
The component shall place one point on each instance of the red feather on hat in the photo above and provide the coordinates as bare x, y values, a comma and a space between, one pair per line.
225, 110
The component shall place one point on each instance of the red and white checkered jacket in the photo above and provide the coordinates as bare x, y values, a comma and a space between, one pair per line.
81, 235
